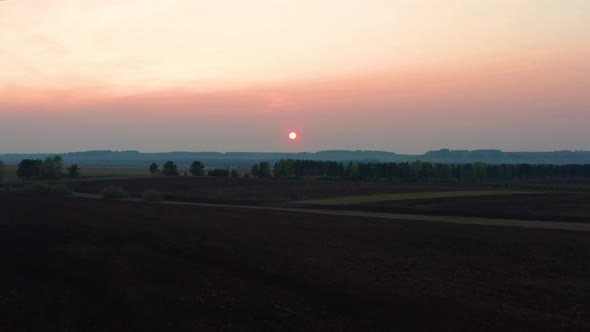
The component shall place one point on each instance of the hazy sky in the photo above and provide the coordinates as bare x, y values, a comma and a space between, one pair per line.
397, 75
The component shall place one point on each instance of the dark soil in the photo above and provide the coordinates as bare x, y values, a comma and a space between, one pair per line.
259, 191
541, 206
73, 264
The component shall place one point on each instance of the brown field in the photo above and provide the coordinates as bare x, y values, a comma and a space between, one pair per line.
539, 206
72, 264
77, 264
261, 191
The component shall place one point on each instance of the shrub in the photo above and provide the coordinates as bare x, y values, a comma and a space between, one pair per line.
114, 192
47, 189
151, 196
61, 189
218, 172
39, 188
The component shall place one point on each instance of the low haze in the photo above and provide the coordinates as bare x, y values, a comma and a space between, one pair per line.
240, 76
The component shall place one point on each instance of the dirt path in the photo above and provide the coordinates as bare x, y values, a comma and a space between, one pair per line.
569, 226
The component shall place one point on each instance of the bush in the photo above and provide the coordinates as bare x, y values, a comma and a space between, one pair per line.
151, 196
39, 188
61, 189
218, 172
114, 192
47, 189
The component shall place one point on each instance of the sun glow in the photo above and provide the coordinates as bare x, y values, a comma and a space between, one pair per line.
292, 135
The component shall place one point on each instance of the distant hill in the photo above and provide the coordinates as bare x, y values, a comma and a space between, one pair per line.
136, 158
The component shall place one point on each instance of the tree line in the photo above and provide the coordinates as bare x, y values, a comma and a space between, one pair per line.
418, 170
197, 168
50, 168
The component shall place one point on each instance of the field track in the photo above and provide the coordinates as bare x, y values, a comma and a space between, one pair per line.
569, 226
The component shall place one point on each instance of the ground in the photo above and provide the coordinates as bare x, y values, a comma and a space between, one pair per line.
72, 264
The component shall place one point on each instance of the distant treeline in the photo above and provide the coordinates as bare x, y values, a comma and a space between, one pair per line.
50, 168
419, 170
243, 159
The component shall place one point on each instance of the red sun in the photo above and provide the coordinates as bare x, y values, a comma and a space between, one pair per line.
292, 135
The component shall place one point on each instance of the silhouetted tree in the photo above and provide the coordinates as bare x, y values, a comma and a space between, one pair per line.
284, 168
74, 171
234, 173
29, 169
265, 171
255, 170
154, 168
1, 170
170, 169
197, 168
52, 167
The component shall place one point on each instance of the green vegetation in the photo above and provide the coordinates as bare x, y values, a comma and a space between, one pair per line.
170, 169
50, 168
43, 188
61, 189
39, 188
406, 196
572, 226
261, 170
421, 171
113, 172
197, 168
546, 187
151, 196
114, 192
218, 172
154, 168
74, 171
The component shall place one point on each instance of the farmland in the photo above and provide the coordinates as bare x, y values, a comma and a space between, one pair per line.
407, 196
262, 191
242, 254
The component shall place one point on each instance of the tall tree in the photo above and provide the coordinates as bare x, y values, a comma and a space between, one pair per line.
265, 171
170, 168
74, 171
197, 168
52, 167
154, 168
29, 169
255, 170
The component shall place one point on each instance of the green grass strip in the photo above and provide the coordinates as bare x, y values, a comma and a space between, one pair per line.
409, 196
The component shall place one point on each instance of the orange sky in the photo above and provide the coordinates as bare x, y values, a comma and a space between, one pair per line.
404, 76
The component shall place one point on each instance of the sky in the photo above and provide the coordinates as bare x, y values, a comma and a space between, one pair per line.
398, 75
